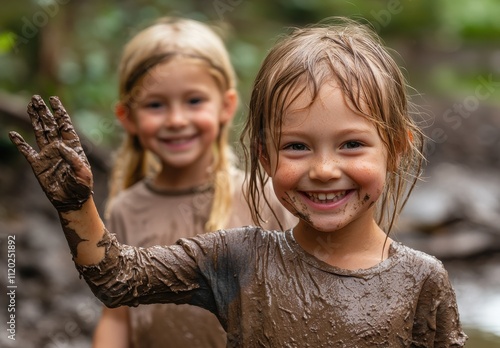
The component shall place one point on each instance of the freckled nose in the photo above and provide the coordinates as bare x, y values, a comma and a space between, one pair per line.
325, 169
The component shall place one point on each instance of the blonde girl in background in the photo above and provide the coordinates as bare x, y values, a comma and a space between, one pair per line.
174, 175
331, 124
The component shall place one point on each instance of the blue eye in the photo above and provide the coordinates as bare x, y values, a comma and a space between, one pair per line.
352, 144
195, 101
296, 147
154, 105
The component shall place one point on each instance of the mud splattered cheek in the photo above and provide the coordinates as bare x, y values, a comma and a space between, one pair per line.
298, 208
366, 199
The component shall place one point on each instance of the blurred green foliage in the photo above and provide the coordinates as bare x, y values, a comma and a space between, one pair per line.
71, 48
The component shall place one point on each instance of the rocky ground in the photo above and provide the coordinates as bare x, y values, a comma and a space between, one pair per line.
455, 210
454, 214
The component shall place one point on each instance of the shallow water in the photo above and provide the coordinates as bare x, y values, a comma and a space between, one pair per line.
481, 339
477, 286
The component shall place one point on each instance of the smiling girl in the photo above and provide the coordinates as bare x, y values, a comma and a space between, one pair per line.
330, 124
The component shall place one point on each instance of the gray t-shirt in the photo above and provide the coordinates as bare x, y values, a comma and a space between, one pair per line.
143, 217
268, 292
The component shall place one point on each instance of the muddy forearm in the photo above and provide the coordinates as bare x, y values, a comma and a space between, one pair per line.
131, 276
84, 230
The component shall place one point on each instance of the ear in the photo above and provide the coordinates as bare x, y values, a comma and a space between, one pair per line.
122, 113
229, 105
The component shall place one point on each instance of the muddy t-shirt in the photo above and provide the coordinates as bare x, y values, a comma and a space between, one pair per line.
142, 216
268, 292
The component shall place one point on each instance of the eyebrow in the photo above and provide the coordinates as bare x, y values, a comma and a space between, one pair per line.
299, 131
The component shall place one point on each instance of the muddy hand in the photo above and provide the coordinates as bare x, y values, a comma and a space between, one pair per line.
60, 166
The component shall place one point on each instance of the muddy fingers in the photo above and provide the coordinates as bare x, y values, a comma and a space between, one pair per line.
60, 166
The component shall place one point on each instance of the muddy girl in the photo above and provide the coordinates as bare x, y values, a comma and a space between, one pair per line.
331, 126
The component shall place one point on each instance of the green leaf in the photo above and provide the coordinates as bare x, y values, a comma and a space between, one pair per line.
7, 42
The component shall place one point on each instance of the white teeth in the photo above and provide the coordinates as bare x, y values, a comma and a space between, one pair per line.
326, 197
177, 141
331, 196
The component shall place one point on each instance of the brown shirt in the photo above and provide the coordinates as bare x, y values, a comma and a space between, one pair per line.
143, 217
268, 292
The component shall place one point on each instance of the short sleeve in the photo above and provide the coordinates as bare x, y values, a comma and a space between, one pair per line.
436, 322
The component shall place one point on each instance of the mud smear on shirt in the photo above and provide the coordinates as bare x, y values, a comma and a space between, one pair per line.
291, 294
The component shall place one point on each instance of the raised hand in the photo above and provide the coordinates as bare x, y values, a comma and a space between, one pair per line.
60, 166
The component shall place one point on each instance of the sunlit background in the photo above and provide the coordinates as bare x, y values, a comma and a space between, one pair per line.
450, 52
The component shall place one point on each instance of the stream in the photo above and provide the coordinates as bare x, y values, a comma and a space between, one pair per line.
477, 286
454, 216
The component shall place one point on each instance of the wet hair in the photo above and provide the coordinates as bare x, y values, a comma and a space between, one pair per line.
350, 55
167, 39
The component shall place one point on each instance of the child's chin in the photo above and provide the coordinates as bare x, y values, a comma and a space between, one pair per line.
325, 226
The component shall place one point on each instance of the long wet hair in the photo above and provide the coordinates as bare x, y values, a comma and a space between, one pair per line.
353, 57
173, 38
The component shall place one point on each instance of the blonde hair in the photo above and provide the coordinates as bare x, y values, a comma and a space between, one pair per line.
352, 56
166, 39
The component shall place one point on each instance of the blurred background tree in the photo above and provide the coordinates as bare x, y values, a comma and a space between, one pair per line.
449, 49
72, 48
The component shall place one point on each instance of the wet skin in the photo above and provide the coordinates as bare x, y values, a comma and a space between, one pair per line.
331, 170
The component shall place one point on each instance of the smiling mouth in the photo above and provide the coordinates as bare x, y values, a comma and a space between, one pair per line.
179, 141
326, 197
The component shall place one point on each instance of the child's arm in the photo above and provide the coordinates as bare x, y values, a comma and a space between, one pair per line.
64, 174
112, 330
